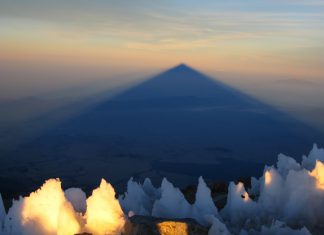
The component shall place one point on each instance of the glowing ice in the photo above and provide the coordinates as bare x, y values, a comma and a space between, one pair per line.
318, 174
42, 212
104, 215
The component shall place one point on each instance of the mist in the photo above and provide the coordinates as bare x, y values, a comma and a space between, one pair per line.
32, 99
301, 97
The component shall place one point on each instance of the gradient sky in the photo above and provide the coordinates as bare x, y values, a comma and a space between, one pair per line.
254, 36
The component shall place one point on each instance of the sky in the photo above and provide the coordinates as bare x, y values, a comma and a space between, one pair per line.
47, 45
272, 36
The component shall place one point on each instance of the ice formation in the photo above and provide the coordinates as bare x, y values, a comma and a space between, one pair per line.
136, 200
290, 192
104, 215
217, 227
77, 198
150, 190
238, 205
172, 203
45, 211
49, 212
2, 213
204, 205
276, 228
309, 161
287, 199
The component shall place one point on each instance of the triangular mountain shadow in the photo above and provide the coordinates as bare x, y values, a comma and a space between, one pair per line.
180, 124
185, 86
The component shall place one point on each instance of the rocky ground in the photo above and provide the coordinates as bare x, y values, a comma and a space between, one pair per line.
146, 225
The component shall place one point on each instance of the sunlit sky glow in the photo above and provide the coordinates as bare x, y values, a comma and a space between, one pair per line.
268, 37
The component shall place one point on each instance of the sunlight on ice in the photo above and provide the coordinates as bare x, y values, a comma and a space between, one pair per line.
318, 174
104, 215
68, 223
48, 212
267, 177
245, 197
48, 209
45, 211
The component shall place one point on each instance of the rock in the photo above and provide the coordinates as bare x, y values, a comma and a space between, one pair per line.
190, 193
146, 225
171, 227
218, 187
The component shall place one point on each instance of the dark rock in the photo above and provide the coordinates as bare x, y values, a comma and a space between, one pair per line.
190, 193
218, 188
245, 180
